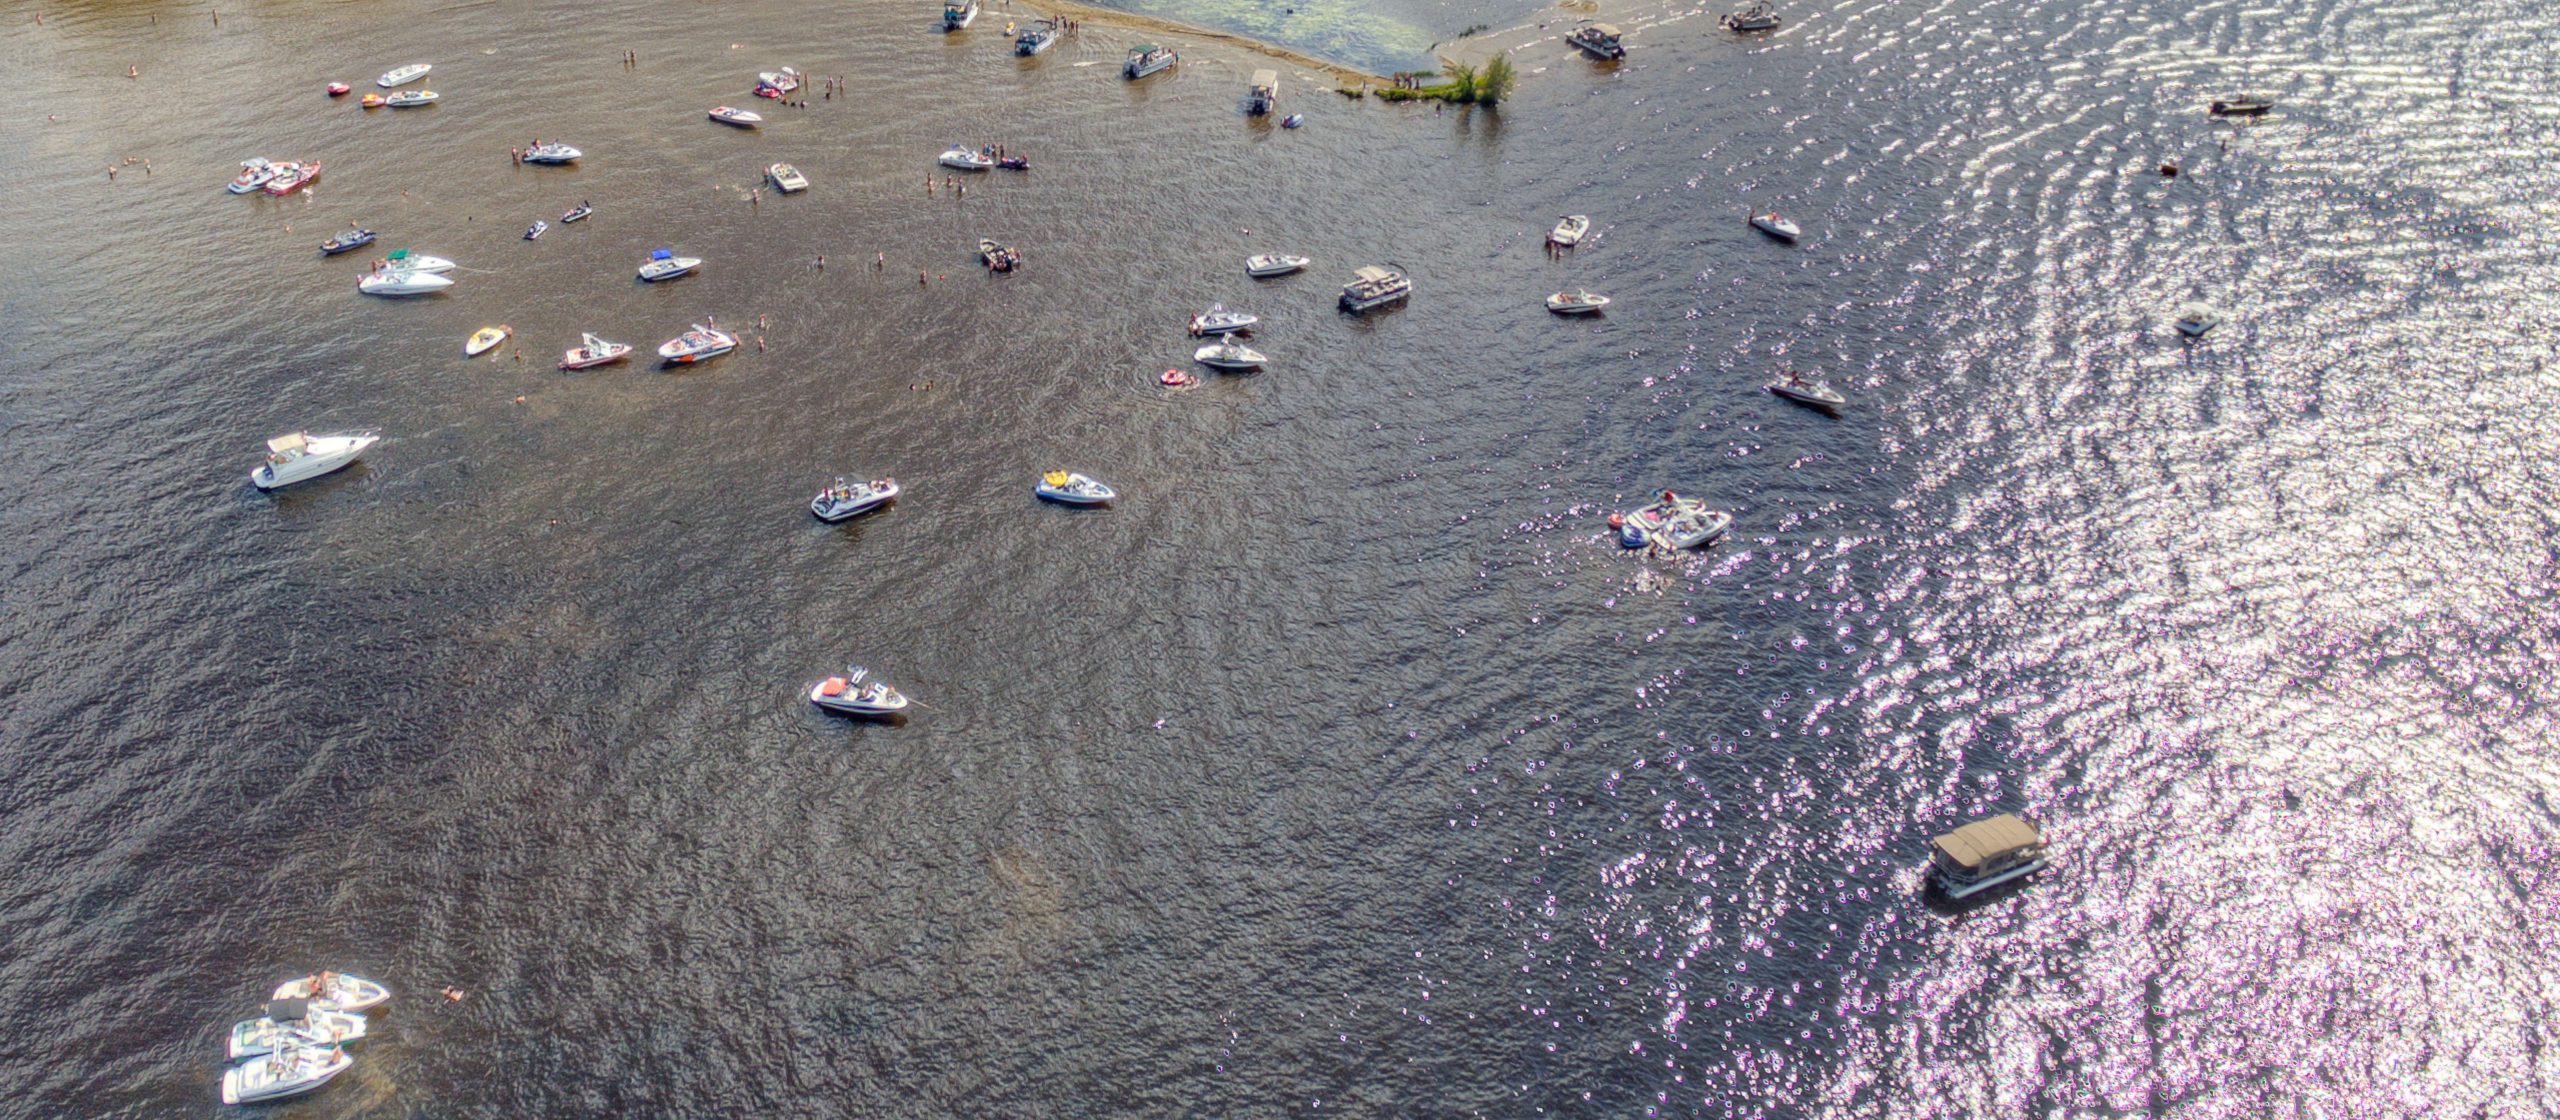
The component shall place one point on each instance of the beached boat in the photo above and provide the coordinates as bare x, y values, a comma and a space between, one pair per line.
1569, 230
1036, 38
699, 344
412, 98
1760, 16
294, 1022
787, 178
1601, 39
957, 14
664, 264
849, 499
1374, 287
536, 229
1792, 386
1267, 265
966, 159
1147, 58
1264, 94
577, 213
738, 117
486, 339
346, 241
335, 991
1672, 521
1227, 353
2241, 106
593, 351
1576, 303
998, 258
255, 172
1985, 854
857, 693
2196, 319
339, 89
1773, 225
294, 177
403, 282
300, 457
289, 1072
552, 153
1218, 320
1073, 489
404, 75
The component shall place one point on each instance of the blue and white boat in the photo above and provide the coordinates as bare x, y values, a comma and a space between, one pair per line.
1070, 488
1036, 38
664, 264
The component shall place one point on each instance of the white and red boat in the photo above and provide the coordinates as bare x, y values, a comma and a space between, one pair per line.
593, 351
294, 178
339, 89
254, 173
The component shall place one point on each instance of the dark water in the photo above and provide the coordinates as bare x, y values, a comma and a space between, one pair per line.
1344, 768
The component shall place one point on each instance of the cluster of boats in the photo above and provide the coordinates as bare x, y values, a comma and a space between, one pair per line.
275, 177
403, 273
300, 1043
983, 158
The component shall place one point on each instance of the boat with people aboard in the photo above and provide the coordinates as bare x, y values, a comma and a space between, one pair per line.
998, 258
1014, 163
957, 14
346, 241
2196, 319
1601, 39
404, 75
1229, 354
776, 83
967, 159
552, 153
1770, 223
858, 693
486, 339
412, 98
1569, 230
1036, 38
402, 260
1218, 320
1793, 386
664, 264
1760, 16
1264, 94
1671, 521
1147, 58
850, 499
698, 344
255, 172
787, 178
1263, 266
288, 1072
1071, 488
294, 1022
740, 118
593, 351
2241, 106
1985, 854
293, 177
1373, 287
577, 213
403, 282
300, 457
536, 229
335, 991
1576, 303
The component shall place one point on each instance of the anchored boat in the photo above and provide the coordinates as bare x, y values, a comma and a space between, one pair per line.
301, 457
1265, 94
294, 1022
1569, 230
1070, 488
849, 499
1985, 854
1147, 58
289, 1072
335, 991
404, 75
1374, 287
1268, 265
593, 351
664, 264
699, 344
857, 693
787, 178
1601, 39
1576, 303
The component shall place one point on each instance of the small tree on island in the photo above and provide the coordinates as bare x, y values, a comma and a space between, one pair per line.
1462, 82
1495, 81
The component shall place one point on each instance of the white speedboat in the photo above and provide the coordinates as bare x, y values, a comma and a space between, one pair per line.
1036, 38
1147, 58
858, 693
486, 339
966, 159
1569, 230
739, 117
536, 230
402, 260
403, 282
254, 173
291, 177
998, 257
1671, 520
957, 14
335, 991
785, 80
1227, 353
664, 264
294, 1022
404, 75
1073, 489
594, 351
412, 98
285, 1073
1576, 303
1794, 387
1758, 17
847, 499
1601, 39
699, 344
1218, 320
2196, 319
552, 153
787, 178
1985, 854
2241, 107
300, 457
1373, 287
577, 213
1267, 265
1773, 225
1691, 528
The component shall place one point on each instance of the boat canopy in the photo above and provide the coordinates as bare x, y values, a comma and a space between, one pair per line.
1145, 48
287, 445
1266, 79
1373, 274
396, 255
1055, 478
1982, 842
661, 254
1605, 30
288, 1010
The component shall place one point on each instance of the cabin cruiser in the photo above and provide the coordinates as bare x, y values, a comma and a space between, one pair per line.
1794, 387
2241, 106
1773, 225
293, 177
1985, 854
593, 351
845, 499
255, 172
1147, 58
787, 178
577, 213
1672, 520
1218, 320
1264, 94
486, 339
335, 991
552, 153
966, 159
998, 257
536, 229
2196, 319
1569, 230
402, 260
738, 117
664, 264
412, 98
1036, 38
697, 344
1268, 265
294, 1022
404, 75
1073, 489
1576, 303
345, 241
857, 693
1601, 39
288, 1072
775, 83
1758, 17
296, 458
957, 14
403, 282
1373, 287
1227, 353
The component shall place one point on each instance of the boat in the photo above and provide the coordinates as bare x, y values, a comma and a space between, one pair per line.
1293, 120
402, 260
536, 229
778, 82
957, 14
1073, 489
1985, 854
999, 258
1264, 95
1794, 387
294, 177
1691, 528
335, 991
1372, 287
1267, 265
1036, 38
593, 351
787, 178
2196, 319
289, 1072
846, 499
1773, 225
1576, 303
1671, 520
404, 75
346, 240
294, 1022
299, 457
2241, 107
403, 282
1758, 17
486, 339
412, 98
1569, 230
1014, 163
1218, 320
577, 213
339, 89
698, 344
966, 159
554, 152
1227, 353
1601, 39
739, 117
255, 172
1147, 58
664, 264
858, 693
373, 101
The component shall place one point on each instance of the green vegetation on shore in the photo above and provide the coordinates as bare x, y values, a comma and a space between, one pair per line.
1467, 85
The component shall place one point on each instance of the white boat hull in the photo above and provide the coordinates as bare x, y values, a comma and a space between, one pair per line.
404, 284
831, 509
1779, 228
262, 1081
252, 1038
1818, 396
1955, 888
1263, 268
346, 993
404, 75
328, 455
1221, 357
669, 269
967, 161
1077, 490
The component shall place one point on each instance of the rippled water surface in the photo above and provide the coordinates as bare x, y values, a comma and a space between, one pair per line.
1346, 766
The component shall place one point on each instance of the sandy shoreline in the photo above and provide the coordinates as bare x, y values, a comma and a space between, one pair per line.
1088, 14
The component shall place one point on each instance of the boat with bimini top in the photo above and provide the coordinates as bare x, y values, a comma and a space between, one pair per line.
300, 457
1602, 40
1147, 58
664, 264
849, 499
592, 351
1985, 854
957, 14
1374, 287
